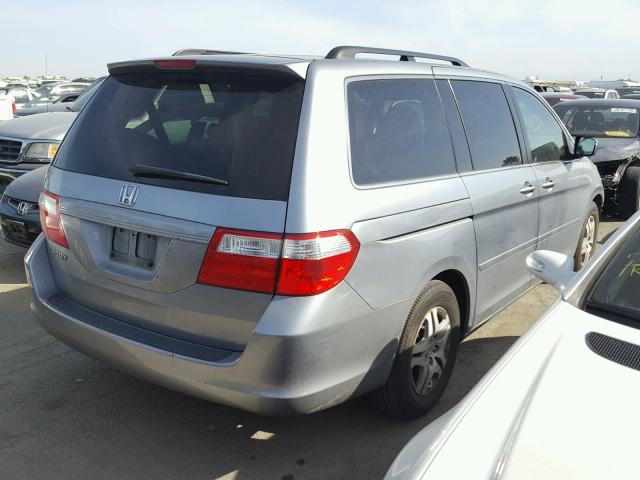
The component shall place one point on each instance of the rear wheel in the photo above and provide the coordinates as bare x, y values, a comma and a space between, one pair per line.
588, 238
426, 354
630, 191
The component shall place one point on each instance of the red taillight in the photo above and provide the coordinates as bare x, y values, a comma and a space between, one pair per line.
296, 264
13, 106
242, 260
50, 218
313, 263
175, 63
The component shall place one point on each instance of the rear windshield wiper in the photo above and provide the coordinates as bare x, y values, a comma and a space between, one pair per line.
148, 171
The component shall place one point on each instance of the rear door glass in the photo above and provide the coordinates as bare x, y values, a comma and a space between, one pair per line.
487, 119
398, 131
237, 128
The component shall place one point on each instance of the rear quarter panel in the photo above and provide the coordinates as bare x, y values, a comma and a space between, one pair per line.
393, 268
408, 232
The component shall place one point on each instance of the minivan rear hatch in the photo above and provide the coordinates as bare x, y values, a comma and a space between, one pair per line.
165, 153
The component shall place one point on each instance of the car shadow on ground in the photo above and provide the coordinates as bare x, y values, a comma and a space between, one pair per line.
11, 267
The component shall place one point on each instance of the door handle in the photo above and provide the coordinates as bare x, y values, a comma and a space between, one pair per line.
548, 184
527, 189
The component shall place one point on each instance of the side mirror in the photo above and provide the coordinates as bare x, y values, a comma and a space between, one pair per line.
585, 146
551, 267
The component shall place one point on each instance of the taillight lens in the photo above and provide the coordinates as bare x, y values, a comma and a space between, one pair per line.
296, 264
242, 260
314, 263
13, 106
50, 218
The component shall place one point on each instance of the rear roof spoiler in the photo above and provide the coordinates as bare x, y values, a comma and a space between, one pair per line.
204, 51
200, 65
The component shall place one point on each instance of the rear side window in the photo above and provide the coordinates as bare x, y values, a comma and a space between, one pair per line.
240, 129
398, 131
488, 123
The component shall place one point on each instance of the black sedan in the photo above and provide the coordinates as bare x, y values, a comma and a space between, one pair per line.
19, 213
616, 125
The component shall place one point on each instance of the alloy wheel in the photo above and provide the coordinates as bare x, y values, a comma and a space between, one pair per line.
588, 240
430, 350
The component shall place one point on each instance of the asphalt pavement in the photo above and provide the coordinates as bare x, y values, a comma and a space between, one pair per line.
66, 416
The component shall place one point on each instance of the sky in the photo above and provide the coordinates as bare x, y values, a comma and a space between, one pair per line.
550, 39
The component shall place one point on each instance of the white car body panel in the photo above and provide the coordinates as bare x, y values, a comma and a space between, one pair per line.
559, 420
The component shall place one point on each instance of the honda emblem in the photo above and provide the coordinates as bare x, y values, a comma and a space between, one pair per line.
128, 195
23, 208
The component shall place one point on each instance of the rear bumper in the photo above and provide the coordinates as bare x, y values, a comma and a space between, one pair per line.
290, 366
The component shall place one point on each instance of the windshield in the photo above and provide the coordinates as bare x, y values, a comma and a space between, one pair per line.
617, 289
79, 103
600, 120
45, 89
42, 100
237, 128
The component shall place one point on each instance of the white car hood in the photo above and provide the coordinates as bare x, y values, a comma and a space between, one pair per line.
550, 409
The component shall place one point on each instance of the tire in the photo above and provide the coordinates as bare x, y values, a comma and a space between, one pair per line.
588, 238
418, 380
630, 191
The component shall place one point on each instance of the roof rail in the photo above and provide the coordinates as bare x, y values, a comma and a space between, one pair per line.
204, 51
349, 52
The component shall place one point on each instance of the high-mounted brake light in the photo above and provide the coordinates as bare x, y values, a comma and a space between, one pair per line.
50, 218
293, 264
177, 63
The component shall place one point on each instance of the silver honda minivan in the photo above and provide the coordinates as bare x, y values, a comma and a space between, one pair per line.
281, 234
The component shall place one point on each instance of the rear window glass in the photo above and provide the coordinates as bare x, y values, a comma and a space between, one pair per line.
240, 129
398, 131
489, 125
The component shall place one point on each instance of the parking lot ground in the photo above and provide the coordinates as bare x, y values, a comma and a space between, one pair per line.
66, 416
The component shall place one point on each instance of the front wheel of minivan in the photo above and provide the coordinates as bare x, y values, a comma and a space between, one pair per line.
588, 238
426, 354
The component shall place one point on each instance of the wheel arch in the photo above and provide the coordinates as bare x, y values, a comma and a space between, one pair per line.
599, 201
458, 283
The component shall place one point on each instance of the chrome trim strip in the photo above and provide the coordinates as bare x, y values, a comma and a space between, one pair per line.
145, 222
